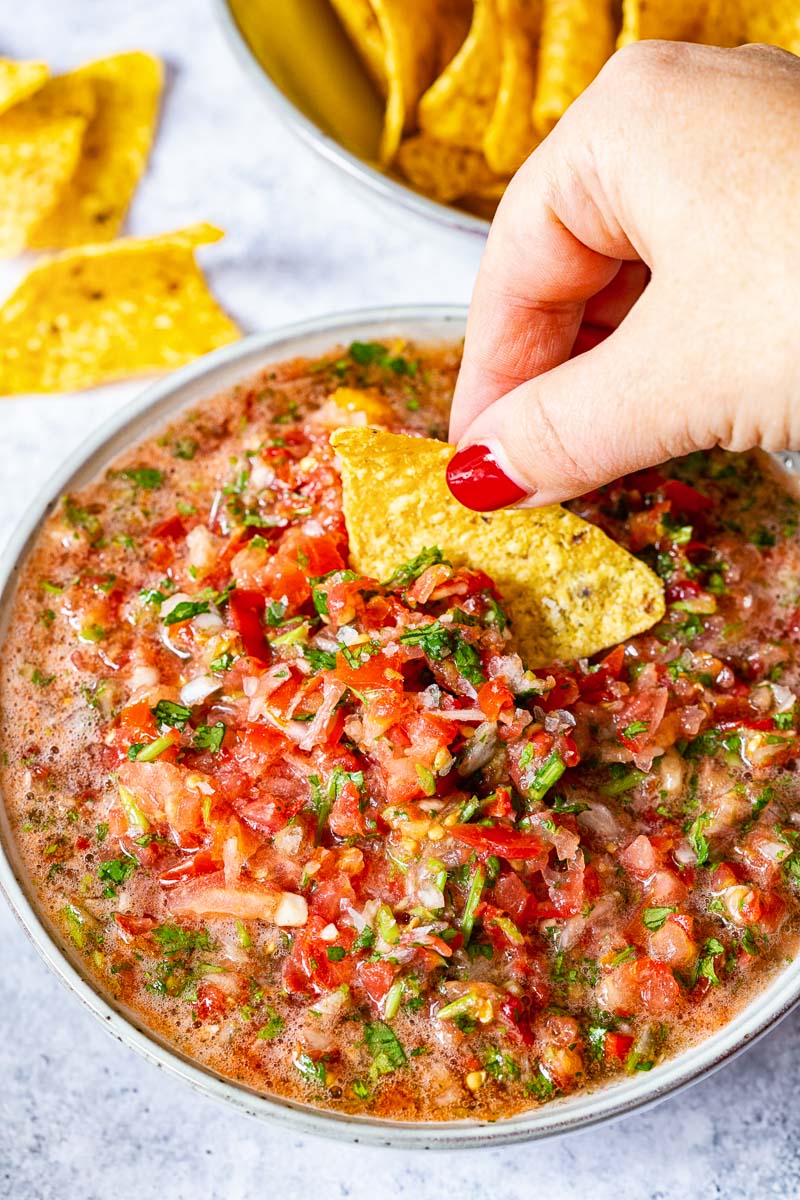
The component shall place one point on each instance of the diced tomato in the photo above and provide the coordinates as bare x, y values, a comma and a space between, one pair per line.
247, 611
380, 671
172, 528
686, 500
617, 1045
377, 978
493, 697
189, 867
506, 843
308, 968
212, 1003
346, 819
257, 746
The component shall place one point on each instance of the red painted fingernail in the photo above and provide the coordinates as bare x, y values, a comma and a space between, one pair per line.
478, 482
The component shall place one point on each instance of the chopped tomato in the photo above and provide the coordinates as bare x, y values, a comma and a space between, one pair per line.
506, 843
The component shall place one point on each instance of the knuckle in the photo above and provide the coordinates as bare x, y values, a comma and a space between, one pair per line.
541, 438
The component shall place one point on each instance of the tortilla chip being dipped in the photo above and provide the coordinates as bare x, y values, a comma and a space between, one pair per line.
569, 590
18, 80
577, 39
458, 106
99, 313
40, 143
114, 153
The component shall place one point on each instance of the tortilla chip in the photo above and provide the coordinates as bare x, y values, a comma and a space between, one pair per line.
457, 108
40, 141
411, 41
484, 202
776, 22
115, 147
510, 136
103, 312
577, 39
18, 80
443, 171
361, 25
674, 20
568, 589
454, 18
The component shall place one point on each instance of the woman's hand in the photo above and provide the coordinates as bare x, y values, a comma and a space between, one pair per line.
639, 296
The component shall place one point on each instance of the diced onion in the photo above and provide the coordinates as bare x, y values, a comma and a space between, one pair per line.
292, 910
479, 749
208, 621
199, 689
143, 677
172, 602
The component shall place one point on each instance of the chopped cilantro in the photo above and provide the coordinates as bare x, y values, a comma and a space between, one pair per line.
654, 918
114, 873
387, 1053
147, 478
408, 572
185, 610
209, 737
167, 712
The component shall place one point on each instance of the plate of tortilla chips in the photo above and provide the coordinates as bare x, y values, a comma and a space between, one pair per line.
436, 103
73, 149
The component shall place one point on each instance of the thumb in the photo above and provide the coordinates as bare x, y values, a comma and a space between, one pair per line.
630, 402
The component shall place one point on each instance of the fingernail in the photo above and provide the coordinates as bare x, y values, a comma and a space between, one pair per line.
477, 481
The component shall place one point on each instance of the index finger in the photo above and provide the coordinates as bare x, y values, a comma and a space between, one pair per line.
549, 251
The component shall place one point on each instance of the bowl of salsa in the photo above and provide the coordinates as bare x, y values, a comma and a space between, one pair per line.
326, 846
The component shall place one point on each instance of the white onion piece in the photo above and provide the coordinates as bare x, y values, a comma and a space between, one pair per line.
292, 910
684, 855
143, 677
261, 476
479, 749
600, 820
288, 839
431, 897
208, 621
199, 689
171, 645
459, 714
172, 602
347, 635
355, 916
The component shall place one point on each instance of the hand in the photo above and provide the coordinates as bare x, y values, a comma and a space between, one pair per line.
639, 296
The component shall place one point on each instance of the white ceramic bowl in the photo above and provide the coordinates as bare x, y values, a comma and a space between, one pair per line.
134, 423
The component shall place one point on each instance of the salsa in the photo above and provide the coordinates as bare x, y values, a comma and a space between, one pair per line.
331, 836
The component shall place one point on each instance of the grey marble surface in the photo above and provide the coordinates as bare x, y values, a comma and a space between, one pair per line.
80, 1115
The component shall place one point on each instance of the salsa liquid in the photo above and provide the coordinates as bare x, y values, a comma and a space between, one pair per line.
330, 836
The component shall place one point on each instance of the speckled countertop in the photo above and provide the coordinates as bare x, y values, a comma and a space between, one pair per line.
81, 1117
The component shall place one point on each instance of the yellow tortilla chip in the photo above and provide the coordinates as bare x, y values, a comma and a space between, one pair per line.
484, 202
577, 39
18, 80
454, 18
441, 170
569, 590
361, 25
776, 22
457, 108
674, 20
510, 135
103, 312
40, 141
114, 152
411, 41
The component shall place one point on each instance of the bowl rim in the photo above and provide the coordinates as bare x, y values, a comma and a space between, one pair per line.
386, 186
139, 418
